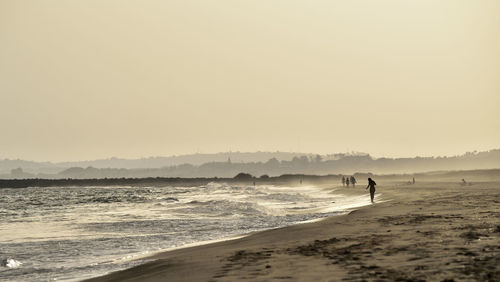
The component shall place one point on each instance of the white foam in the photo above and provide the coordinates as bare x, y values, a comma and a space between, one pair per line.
151, 220
11, 263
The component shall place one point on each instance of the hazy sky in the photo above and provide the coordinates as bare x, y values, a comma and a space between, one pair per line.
94, 79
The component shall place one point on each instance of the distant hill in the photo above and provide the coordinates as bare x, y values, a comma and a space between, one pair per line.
193, 159
256, 164
33, 167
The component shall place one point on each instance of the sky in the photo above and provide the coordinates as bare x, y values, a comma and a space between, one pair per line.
83, 80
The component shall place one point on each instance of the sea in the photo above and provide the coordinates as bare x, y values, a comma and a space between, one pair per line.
73, 233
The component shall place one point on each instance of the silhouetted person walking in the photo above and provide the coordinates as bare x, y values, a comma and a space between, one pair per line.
347, 181
353, 181
413, 180
343, 181
371, 184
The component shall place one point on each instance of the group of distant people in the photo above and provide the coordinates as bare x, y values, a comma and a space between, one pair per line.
346, 181
411, 181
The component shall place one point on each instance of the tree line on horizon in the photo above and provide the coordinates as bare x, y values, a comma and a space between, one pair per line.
303, 164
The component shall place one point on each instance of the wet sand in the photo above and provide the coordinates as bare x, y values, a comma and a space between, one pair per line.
429, 231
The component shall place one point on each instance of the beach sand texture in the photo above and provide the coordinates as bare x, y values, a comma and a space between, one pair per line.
429, 231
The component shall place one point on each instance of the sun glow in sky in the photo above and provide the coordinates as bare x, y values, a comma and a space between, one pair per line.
95, 79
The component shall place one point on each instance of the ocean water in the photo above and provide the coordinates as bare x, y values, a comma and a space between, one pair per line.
72, 233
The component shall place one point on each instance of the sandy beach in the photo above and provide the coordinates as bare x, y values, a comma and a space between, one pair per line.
434, 231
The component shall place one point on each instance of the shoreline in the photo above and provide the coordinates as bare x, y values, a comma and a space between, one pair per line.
242, 235
147, 257
428, 232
